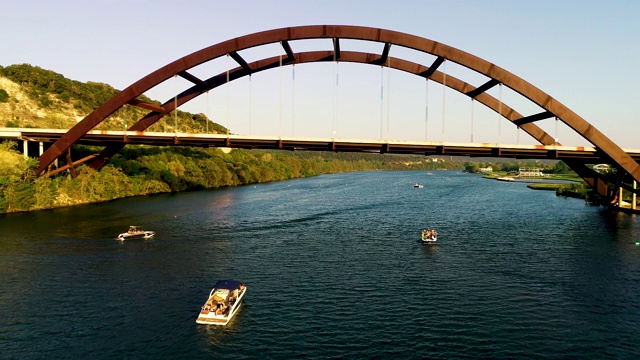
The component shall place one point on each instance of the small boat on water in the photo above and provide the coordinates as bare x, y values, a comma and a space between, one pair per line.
135, 232
506, 178
429, 236
224, 301
416, 185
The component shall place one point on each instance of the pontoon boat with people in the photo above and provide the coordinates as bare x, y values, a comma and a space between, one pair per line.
429, 236
224, 301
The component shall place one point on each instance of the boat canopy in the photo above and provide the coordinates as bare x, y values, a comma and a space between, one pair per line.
228, 284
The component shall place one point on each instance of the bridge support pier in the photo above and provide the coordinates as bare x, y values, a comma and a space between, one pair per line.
620, 197
25, 148
41, 147
633, 197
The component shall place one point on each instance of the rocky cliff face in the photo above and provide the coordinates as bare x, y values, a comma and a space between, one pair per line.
19, 110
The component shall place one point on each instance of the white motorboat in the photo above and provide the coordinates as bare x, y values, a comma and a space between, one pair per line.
135, 232
429, 236
223, 302
416, 185
506, 178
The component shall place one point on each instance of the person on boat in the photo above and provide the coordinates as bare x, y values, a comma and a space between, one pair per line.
242, 287
219, 308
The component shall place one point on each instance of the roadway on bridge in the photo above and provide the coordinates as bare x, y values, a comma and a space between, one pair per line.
103, 138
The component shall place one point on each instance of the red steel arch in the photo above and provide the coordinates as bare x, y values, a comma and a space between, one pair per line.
443, 52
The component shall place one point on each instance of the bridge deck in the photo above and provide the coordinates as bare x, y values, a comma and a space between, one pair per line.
102, 137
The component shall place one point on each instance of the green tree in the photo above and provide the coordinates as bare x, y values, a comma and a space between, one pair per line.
16, 179
471, 167
560, 168
4, 96
44, 193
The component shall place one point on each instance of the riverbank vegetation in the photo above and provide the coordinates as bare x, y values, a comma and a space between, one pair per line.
144, 170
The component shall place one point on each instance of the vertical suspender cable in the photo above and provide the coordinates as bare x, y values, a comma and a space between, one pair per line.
250, 105
426, 109
472, 118
293, 100
388, 94
337, 93
556, 130
335, 96
280, 107
206, 115
175, 104
499, 111
444, 89
228, 98
381, 97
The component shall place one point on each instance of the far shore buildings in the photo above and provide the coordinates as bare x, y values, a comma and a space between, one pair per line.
530, 172
522, 172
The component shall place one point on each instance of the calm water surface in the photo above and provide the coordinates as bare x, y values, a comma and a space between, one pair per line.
333, 268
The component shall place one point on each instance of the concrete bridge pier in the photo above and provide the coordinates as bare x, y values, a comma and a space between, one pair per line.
632, 206
25, 150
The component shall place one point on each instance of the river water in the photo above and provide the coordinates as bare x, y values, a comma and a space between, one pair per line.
333, 269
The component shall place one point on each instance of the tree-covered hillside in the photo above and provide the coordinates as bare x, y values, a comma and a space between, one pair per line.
34, 97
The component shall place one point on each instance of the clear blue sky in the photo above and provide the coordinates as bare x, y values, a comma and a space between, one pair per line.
583, 53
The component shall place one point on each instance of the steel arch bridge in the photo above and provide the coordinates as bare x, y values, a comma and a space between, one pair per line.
627, 167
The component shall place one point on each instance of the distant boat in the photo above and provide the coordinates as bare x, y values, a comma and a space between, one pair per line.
429, 236
506, 178
416, 185
224, 301
135, 232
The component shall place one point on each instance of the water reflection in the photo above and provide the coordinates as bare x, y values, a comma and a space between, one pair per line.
620, 226
428, 249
